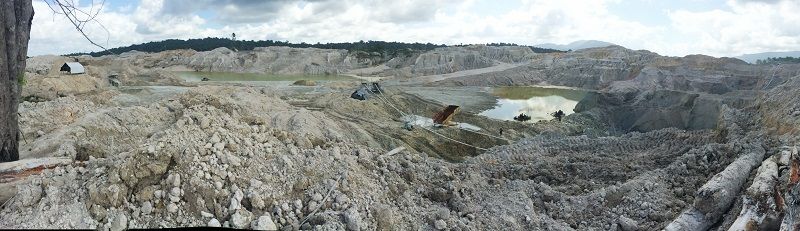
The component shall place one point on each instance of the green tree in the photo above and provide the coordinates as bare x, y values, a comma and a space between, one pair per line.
778, 60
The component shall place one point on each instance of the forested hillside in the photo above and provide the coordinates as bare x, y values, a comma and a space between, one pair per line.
779, 60
206, 44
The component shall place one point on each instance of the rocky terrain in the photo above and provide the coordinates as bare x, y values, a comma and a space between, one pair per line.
689, 143
285, 60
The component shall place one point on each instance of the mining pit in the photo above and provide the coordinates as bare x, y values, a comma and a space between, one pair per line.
647, 143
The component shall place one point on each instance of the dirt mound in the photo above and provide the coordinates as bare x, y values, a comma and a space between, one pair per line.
236, 157
270, 157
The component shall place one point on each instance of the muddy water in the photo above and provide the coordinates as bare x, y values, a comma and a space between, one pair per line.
257, 79
536, 102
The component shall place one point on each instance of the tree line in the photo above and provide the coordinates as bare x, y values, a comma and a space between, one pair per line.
207, 44
533, 48
779, 60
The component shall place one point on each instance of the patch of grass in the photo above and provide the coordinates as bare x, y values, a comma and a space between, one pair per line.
33, 98
21, 79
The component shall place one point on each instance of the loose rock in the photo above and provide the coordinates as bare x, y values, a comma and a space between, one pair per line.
120, 223
241, 219
440, 224
214, 223
264, 223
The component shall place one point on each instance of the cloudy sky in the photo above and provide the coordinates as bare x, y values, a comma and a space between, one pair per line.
674, 27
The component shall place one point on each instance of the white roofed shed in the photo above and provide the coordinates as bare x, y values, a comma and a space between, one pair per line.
73, 68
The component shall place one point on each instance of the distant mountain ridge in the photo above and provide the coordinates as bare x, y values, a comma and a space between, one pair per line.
576, 45
752, 58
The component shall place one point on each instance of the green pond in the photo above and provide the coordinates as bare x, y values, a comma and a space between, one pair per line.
536, 102
193, 76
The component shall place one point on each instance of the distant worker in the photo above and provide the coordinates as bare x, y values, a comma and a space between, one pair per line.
558, 114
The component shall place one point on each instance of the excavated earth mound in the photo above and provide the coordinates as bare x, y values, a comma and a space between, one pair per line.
282, 158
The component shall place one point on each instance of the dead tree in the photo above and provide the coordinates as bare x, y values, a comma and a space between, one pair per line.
16, 17
78, 17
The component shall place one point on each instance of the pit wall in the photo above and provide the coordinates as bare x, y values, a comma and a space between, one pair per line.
780, 108
655, 110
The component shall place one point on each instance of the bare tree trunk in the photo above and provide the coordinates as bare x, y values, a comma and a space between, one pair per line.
15, 18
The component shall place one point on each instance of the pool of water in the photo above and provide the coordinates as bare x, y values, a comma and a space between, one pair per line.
536, 102
255, 78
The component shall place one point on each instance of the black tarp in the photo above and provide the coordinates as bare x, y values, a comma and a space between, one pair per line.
361, 94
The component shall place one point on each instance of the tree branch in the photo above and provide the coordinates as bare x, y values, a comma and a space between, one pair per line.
80, 18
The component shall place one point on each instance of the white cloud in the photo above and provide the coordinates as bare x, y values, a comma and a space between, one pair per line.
747, 27
150, 21
52, 33
741, 27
